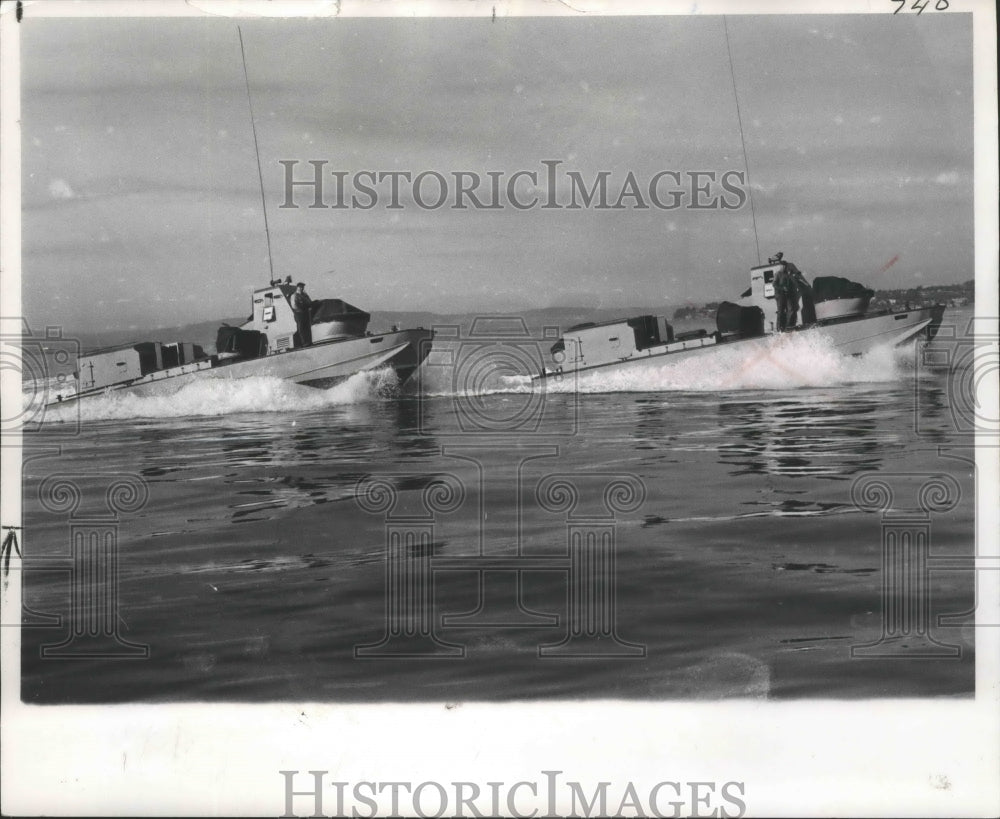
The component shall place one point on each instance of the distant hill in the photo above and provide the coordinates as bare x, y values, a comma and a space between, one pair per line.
685, 317
535, 319
952, 295
204, 332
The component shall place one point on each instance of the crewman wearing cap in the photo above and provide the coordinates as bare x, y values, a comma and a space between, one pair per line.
785, 294
805, 302
300, 309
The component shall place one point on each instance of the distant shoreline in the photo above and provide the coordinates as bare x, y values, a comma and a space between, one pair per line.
204, 332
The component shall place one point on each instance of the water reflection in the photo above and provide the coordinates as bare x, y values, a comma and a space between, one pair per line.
256, 466
240, 447
412, 422
831, 438
736, 558
933, 411
650, 424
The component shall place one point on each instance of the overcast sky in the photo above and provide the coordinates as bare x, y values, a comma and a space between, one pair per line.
142, 204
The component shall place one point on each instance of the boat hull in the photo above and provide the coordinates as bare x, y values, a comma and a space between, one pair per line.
320, 365
841, 308
862, 335
852, 336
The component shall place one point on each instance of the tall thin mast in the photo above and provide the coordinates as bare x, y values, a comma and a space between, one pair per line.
256, 150
739, 119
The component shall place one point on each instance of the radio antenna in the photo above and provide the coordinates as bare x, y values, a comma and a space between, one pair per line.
743, 142
256, 150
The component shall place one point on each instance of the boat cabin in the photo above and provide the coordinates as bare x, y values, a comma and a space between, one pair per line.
271, 316
145, 360
832, 297
761, 293
271, 327
594, 344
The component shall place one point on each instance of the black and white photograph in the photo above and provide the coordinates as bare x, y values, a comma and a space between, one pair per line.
499, 408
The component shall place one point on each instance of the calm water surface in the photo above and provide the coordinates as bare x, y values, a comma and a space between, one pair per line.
744, 569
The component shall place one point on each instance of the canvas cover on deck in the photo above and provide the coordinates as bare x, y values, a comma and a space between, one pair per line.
827, 288
337, 310
734, 318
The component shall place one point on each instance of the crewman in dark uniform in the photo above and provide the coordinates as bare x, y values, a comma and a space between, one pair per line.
301, 304
804, 296
785, 295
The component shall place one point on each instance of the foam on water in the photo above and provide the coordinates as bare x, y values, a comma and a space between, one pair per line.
776, 363
224, 396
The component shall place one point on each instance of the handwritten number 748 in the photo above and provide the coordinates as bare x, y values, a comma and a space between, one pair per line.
919, 5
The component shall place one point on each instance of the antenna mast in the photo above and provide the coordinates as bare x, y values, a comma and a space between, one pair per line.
739, 119
256, 150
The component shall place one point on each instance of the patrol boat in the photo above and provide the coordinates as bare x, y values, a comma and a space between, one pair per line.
840, 310
266, 344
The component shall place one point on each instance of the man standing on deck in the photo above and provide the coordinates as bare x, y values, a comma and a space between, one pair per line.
785, 296
804, 296
303, 319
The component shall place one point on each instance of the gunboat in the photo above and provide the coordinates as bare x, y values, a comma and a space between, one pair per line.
840, 309
266, 344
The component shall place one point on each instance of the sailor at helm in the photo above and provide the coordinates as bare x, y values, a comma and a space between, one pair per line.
300, 309
804, 296
791, 289
785, 294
